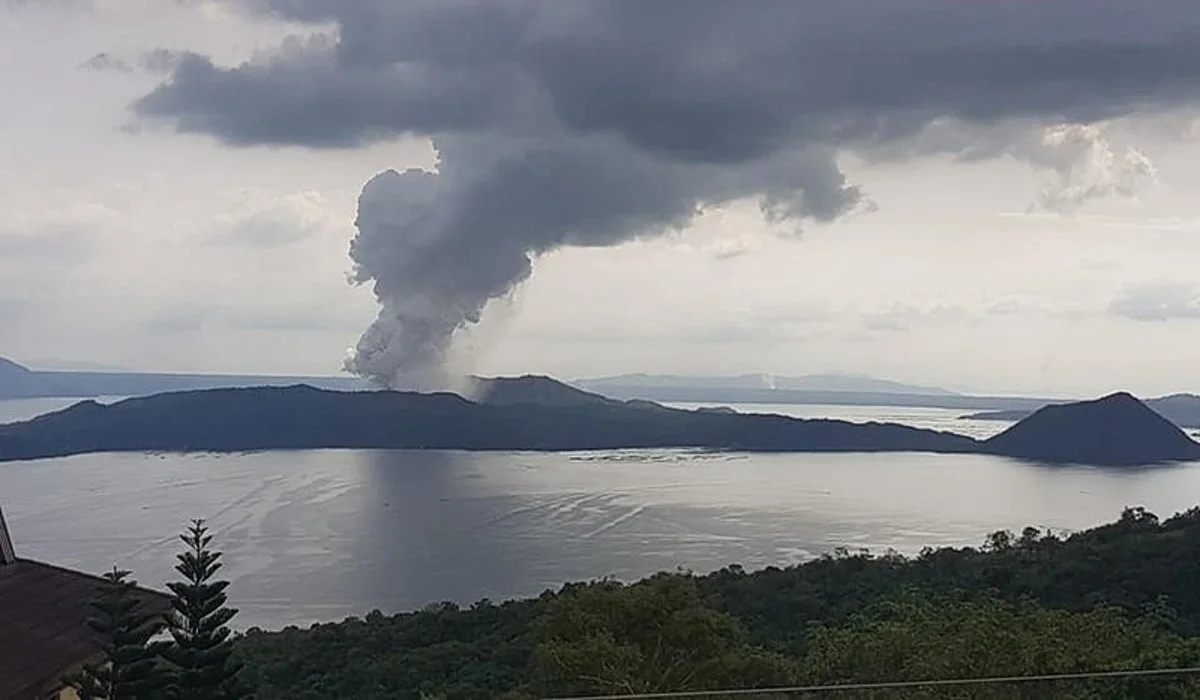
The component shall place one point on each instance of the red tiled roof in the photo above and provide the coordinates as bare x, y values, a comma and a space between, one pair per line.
43, 634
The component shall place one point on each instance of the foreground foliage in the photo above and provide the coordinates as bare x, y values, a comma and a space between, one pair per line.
200, 648
124, 627
915, 639
194, 664
1120, 596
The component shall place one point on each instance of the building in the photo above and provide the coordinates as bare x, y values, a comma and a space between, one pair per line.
43, 634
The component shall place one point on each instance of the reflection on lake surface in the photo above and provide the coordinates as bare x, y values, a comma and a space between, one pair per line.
318, 535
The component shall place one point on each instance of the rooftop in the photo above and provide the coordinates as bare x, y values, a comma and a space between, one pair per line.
43, 613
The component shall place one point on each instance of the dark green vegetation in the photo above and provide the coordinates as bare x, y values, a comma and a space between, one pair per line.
538, 413
194, 664
1120, 596
124, 626
200, 648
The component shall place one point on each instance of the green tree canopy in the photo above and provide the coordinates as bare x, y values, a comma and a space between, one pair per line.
201, 648
653, 636
921, 638
129, 669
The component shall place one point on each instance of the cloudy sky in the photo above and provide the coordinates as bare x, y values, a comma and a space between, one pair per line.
988, 196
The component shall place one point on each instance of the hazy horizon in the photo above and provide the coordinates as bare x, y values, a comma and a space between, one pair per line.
84, 366
851, 382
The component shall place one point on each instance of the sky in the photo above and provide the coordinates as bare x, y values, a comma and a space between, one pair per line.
694, 188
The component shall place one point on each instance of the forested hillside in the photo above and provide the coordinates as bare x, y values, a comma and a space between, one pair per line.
1120, 596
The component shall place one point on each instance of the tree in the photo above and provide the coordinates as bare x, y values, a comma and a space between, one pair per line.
999, 541
915, 638
129, 669
200, 647
653, 636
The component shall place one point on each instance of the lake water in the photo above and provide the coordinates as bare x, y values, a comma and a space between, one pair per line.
945, 419
319, 535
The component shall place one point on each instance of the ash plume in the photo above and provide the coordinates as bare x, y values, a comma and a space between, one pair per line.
439, 246
593, 122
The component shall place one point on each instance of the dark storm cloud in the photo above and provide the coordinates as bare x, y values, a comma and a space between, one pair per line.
698, 79
590, 123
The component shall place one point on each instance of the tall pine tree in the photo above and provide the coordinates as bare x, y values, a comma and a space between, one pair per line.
200, 646
129, 669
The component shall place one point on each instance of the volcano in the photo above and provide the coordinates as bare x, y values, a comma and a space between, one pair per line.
1117, 430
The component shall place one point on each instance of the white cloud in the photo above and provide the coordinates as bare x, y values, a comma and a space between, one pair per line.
1087, 166
1162, 301
266, 220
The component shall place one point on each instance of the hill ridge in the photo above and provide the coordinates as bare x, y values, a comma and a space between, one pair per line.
824, 381
303, 417
542, 414
1114, 430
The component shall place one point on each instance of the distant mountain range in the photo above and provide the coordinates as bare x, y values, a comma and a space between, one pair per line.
81, 379
539, 413
19, 382
815, 389
846, 383
520, 414
849, 390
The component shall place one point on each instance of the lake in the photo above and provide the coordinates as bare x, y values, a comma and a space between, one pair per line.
319, 535
944, 419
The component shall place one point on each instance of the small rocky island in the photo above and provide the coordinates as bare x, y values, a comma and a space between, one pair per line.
539, 413
1181, 409
1117, 430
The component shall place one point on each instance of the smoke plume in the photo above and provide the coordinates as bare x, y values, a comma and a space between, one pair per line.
592, 122
439, 246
